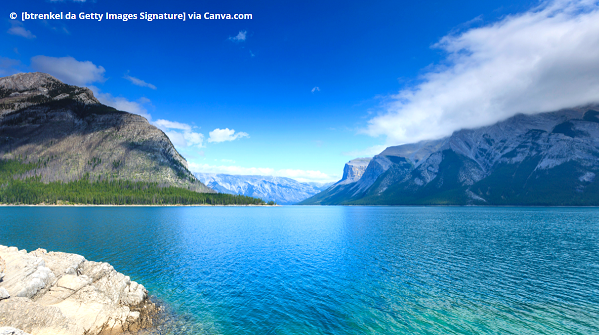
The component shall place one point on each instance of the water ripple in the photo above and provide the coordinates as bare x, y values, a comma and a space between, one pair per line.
341, 270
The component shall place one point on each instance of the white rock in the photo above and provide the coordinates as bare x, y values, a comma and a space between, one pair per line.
4, 293
60, 293
12, 331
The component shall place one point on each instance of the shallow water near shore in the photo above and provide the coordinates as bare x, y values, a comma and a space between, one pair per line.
340, 270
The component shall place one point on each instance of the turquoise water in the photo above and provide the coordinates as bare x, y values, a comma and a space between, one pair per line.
341, 270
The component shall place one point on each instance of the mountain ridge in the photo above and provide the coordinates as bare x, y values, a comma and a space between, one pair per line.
71, 135
518, 161
282, 190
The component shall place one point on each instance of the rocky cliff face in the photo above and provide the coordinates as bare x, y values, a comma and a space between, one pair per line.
353, 170
542, 159
58, 293
284, 191
68, 131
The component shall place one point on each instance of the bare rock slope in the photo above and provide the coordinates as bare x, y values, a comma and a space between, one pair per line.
546, 159
64, 294
70, 134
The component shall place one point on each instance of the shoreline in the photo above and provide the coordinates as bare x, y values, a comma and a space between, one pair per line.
478, 206
80, 205
45, 292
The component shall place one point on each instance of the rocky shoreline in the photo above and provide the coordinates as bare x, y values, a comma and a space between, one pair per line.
43, 293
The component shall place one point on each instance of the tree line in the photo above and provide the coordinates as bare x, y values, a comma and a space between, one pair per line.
32, 191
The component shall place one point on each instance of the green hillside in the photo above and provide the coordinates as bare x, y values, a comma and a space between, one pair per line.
17, 189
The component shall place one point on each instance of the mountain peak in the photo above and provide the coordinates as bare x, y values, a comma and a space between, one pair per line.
282, 190
528, 159
26, 89
28, 81
71, 135
354, 170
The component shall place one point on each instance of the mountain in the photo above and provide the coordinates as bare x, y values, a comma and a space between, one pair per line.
540, 159
68, 135
284, 191
352, 172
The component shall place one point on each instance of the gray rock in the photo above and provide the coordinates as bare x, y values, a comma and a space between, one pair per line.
354, 170
25, 274
60, 293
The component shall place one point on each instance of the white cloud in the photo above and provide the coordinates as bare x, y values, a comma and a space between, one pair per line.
194, 139
181, 134
299, 175
172, 125
542, 60
17, 28
185, 139
316, 89
306, 175
371, 151
222, 135
123, 104
139, 82
240, 36
69, 70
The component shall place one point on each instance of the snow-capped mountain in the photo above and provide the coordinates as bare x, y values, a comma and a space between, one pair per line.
540, 159
284, 191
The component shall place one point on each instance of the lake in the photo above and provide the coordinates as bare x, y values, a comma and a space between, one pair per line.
340, 270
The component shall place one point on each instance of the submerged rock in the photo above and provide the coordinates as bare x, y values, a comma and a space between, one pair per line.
60, 293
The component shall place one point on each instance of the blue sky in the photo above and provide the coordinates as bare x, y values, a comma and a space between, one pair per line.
308, 85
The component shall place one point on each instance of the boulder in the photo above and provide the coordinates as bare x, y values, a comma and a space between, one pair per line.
60, 293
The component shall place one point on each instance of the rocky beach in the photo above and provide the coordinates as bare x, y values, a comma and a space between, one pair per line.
64, 294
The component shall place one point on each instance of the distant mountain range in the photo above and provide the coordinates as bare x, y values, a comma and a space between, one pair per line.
540, 159
284, 191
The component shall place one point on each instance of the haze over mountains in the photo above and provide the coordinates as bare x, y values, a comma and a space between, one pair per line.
542, 159
282, 190
70, 134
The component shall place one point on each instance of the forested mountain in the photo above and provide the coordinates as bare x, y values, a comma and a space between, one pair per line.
59, 144
71, 134
540, 159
